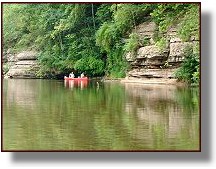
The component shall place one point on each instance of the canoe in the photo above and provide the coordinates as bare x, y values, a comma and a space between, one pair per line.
70, 78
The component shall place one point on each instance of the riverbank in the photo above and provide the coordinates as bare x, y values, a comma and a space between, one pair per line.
160, 81
149, 80
146, 81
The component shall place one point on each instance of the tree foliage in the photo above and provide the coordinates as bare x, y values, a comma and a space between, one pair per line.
184, 16
189, 71
92, 37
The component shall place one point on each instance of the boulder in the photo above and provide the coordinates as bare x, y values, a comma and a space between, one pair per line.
26, 62
27, 55
176, 55
23, 71
151, 56
148, 52
23, 65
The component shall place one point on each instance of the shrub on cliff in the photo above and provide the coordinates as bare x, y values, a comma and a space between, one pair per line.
189, 70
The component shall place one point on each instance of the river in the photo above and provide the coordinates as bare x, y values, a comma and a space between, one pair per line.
56, 115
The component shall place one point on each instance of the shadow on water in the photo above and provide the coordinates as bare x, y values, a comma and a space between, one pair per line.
100, 157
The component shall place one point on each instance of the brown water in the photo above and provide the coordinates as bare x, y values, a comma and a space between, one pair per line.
53, 115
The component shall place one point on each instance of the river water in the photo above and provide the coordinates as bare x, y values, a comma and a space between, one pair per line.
55, 115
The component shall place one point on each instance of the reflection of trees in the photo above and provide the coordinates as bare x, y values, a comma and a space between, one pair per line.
165, 111
111, 117
21, 91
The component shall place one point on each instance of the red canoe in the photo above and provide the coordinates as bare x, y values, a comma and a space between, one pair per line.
70, 78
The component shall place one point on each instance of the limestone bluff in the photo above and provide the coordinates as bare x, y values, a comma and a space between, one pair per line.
150, 61
147, 61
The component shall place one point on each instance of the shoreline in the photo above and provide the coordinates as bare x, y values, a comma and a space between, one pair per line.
152, 81
131, 80
148, 81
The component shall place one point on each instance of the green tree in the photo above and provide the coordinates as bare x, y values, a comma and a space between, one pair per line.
68, 36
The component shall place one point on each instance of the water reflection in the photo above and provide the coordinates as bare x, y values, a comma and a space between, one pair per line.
76, 83
48, 115
165, 117
23, 93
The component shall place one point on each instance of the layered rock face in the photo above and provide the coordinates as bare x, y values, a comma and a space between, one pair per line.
22, 65
149, 61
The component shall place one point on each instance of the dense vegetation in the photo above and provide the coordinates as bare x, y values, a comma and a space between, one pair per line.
189, 71
90, 38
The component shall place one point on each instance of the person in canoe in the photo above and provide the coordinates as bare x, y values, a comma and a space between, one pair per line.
82, 75
71, 75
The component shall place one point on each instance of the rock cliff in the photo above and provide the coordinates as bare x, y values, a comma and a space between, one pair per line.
149, 61
22, 65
